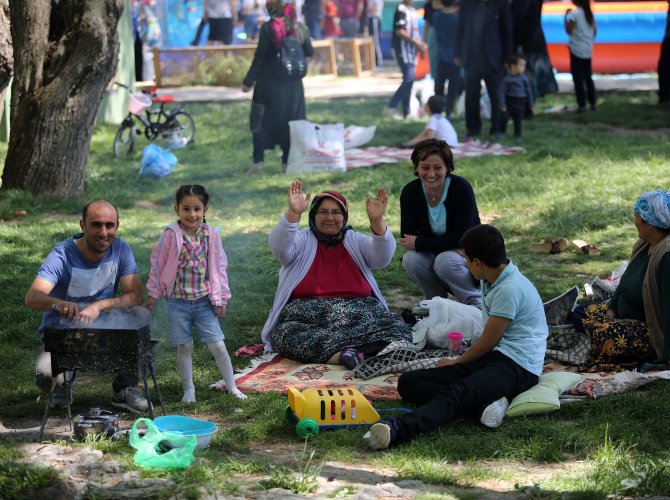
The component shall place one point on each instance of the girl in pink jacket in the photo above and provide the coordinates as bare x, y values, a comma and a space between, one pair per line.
188, 268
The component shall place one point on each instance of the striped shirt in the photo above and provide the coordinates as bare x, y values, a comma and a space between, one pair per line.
191, 282
405, 18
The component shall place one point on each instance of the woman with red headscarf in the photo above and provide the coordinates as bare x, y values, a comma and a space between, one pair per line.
328, 307
277, 100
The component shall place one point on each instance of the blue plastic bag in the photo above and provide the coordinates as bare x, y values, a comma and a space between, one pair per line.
156, 162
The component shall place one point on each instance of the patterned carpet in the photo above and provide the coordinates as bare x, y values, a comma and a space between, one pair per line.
274, 373
366, 157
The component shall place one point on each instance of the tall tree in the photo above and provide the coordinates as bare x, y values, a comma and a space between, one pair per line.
6, 57
65, 54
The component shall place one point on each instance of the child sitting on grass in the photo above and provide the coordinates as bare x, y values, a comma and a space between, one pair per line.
507, 359
438, 126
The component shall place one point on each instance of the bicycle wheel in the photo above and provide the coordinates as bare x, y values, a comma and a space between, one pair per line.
124, 142
184, 120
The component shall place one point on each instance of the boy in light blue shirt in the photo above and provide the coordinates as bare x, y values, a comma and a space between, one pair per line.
507, 359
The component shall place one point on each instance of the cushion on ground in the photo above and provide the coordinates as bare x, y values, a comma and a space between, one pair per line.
543, 397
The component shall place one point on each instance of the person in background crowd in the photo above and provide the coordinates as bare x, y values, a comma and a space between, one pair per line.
529, 40
483, 43
580, 24
313, 12
276, 100
253, 13
375, 11
406, 43
664, 64
445, 24
429, 37
515, 94
350, 13
222, 17
331, 20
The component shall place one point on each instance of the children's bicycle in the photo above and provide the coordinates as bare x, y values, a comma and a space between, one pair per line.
175, 127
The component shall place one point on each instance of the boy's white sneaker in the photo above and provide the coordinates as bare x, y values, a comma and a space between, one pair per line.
378, 437
493, 414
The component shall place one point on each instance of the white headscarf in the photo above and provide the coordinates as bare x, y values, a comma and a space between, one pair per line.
654, 208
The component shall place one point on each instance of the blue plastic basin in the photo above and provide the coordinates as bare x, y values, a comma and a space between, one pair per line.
188, 426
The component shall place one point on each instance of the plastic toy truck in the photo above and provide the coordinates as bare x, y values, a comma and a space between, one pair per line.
314, 409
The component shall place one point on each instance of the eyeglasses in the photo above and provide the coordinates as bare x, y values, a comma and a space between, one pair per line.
326, 213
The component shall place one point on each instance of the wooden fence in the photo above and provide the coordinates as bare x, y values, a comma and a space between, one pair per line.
228, 64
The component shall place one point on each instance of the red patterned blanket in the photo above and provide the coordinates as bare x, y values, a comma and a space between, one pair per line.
366, 157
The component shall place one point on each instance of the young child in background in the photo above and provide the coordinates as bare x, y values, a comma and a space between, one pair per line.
438, 126
330, 26
581, 26
516, 94
188, 268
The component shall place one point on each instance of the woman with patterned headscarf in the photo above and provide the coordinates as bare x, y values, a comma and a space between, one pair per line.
635, 325
328, 307
277, 100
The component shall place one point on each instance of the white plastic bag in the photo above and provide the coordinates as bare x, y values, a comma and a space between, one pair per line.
355, 136
316, 148
446, 316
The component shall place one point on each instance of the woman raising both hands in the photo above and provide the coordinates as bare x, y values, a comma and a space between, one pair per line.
328, 307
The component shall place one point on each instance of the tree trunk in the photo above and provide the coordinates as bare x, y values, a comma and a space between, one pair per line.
6, 57
65, 54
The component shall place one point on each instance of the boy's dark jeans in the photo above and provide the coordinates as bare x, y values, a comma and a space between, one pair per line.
447, 392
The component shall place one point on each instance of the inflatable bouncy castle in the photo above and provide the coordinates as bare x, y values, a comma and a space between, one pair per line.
628, 39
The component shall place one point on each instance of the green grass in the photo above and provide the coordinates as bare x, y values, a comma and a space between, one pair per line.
579, 179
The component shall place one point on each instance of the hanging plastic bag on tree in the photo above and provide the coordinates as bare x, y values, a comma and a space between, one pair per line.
157, 162
161, 450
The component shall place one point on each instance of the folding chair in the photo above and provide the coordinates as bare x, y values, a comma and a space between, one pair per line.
100, 351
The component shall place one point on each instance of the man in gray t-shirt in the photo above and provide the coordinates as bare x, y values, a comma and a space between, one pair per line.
77, 282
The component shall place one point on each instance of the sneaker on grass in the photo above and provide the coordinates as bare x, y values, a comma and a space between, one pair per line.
493, 414
381, 435
130, 398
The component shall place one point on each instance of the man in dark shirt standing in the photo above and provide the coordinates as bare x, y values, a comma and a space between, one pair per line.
483, 42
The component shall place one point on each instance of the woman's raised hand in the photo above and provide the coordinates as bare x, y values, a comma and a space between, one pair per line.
376, 208
297, 201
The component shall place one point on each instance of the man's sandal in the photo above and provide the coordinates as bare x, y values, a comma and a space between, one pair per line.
586, 248
555, 245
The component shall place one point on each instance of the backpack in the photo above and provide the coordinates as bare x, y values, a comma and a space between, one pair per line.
291, 58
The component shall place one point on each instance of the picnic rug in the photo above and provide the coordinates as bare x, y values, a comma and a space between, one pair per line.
275, 373
366, 157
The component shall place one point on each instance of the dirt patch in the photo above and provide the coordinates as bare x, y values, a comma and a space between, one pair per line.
398, 301
85, 472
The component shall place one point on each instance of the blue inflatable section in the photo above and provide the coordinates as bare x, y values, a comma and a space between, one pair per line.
179, 21
615, 27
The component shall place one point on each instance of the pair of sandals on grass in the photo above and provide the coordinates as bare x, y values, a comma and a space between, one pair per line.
558, 245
